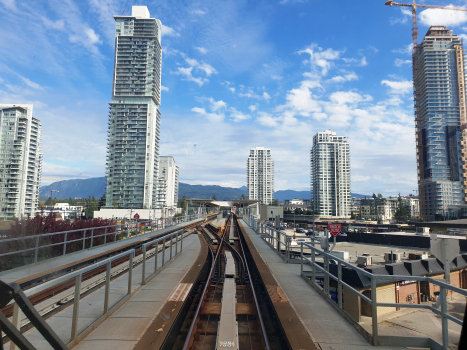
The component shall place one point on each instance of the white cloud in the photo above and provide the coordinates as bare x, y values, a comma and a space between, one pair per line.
31, 83
187, 73
320, 59
60, 24
167, 31
266, 96
202, 50
268, 120
404, 19
207, 68
253, 108
343, 78
251, 94
89, 39
9, 4
200, 12
164, 88
463, 37
211, 116
447, 18
276, 77
405, 50
359, 62
348, 97
399, 87
399, 63
238, 116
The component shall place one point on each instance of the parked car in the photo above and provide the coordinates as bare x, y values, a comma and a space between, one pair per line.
300, 230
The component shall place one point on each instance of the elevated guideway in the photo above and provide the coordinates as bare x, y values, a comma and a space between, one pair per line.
302, 310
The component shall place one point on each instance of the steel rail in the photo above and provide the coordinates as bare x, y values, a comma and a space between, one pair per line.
260, 317
208, 283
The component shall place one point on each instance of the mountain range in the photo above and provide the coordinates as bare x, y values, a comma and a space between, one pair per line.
83, 188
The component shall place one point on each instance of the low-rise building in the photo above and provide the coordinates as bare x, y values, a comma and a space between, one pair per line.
66, 210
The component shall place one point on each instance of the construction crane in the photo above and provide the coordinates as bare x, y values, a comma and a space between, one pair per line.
414, 7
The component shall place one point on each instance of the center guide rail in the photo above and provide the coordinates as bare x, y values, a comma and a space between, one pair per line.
228, 315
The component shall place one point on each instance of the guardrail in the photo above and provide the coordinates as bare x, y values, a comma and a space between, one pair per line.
169, 243
375, 280
31, 249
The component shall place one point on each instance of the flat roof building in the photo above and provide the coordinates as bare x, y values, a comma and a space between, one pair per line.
260, 175
134, 118
20, 161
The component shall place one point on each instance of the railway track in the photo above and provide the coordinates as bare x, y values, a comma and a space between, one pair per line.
92, 280
224, 311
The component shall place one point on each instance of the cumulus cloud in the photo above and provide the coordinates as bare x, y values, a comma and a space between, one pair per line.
167, 31
251, 94
211, 116
207, 68
60, 24
399, 63
398, 87
447, 18
188, 76
237, 116
405, 50
88, 39
406, 15
201, 50
253, 108
164, 88
343, 78
320, 59
357, 61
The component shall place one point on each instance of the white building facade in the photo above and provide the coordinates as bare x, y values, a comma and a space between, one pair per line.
260, 175
66, 211
330, 175
169, 174
20, 161
134, 118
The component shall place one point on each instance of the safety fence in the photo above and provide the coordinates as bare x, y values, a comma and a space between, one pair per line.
20, 251
169, 243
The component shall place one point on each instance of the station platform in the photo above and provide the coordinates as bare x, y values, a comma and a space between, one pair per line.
302, 310
51, 266
142, 321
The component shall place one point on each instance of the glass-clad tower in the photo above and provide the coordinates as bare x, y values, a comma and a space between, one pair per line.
20, 161
134, 119
260, 175
440, 123
330, 175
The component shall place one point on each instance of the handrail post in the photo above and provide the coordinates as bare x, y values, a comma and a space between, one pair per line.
313, 266
301, 258
105, 236
36, 251
156, 253
181, 242
143, 278
374, 311
278, 241
163, 252
92, 237
128, 231
84, 239
16, 321
444, 319
64, 243
339, 285
171, 243
130, 272
74, 322
107, 287
176, 242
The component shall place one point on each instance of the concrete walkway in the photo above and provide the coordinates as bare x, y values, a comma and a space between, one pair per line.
49, 265
125, 326
325, 326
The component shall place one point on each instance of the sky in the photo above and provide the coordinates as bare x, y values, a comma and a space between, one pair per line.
236, 74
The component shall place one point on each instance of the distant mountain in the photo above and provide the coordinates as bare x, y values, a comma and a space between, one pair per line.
82, 188
207, 192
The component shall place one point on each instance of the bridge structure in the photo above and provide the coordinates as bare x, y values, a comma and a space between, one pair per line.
206, 282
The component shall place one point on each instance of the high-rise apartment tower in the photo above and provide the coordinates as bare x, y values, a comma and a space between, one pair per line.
440, 123
168, 175
20, 161
330, 175
260, 175
134, 118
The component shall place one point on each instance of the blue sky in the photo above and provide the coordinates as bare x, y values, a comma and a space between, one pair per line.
236, 74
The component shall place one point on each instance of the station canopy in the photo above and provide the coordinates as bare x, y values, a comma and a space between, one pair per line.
216, 203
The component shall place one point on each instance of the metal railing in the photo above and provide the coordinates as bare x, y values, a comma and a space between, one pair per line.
30, 247
169, 242
376, 280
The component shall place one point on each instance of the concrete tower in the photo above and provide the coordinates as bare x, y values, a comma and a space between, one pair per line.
260, 175
330, 175
134, 118
20, 161
440, 124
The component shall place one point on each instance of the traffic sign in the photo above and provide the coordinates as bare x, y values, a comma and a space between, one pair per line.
136, 216
335, 229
